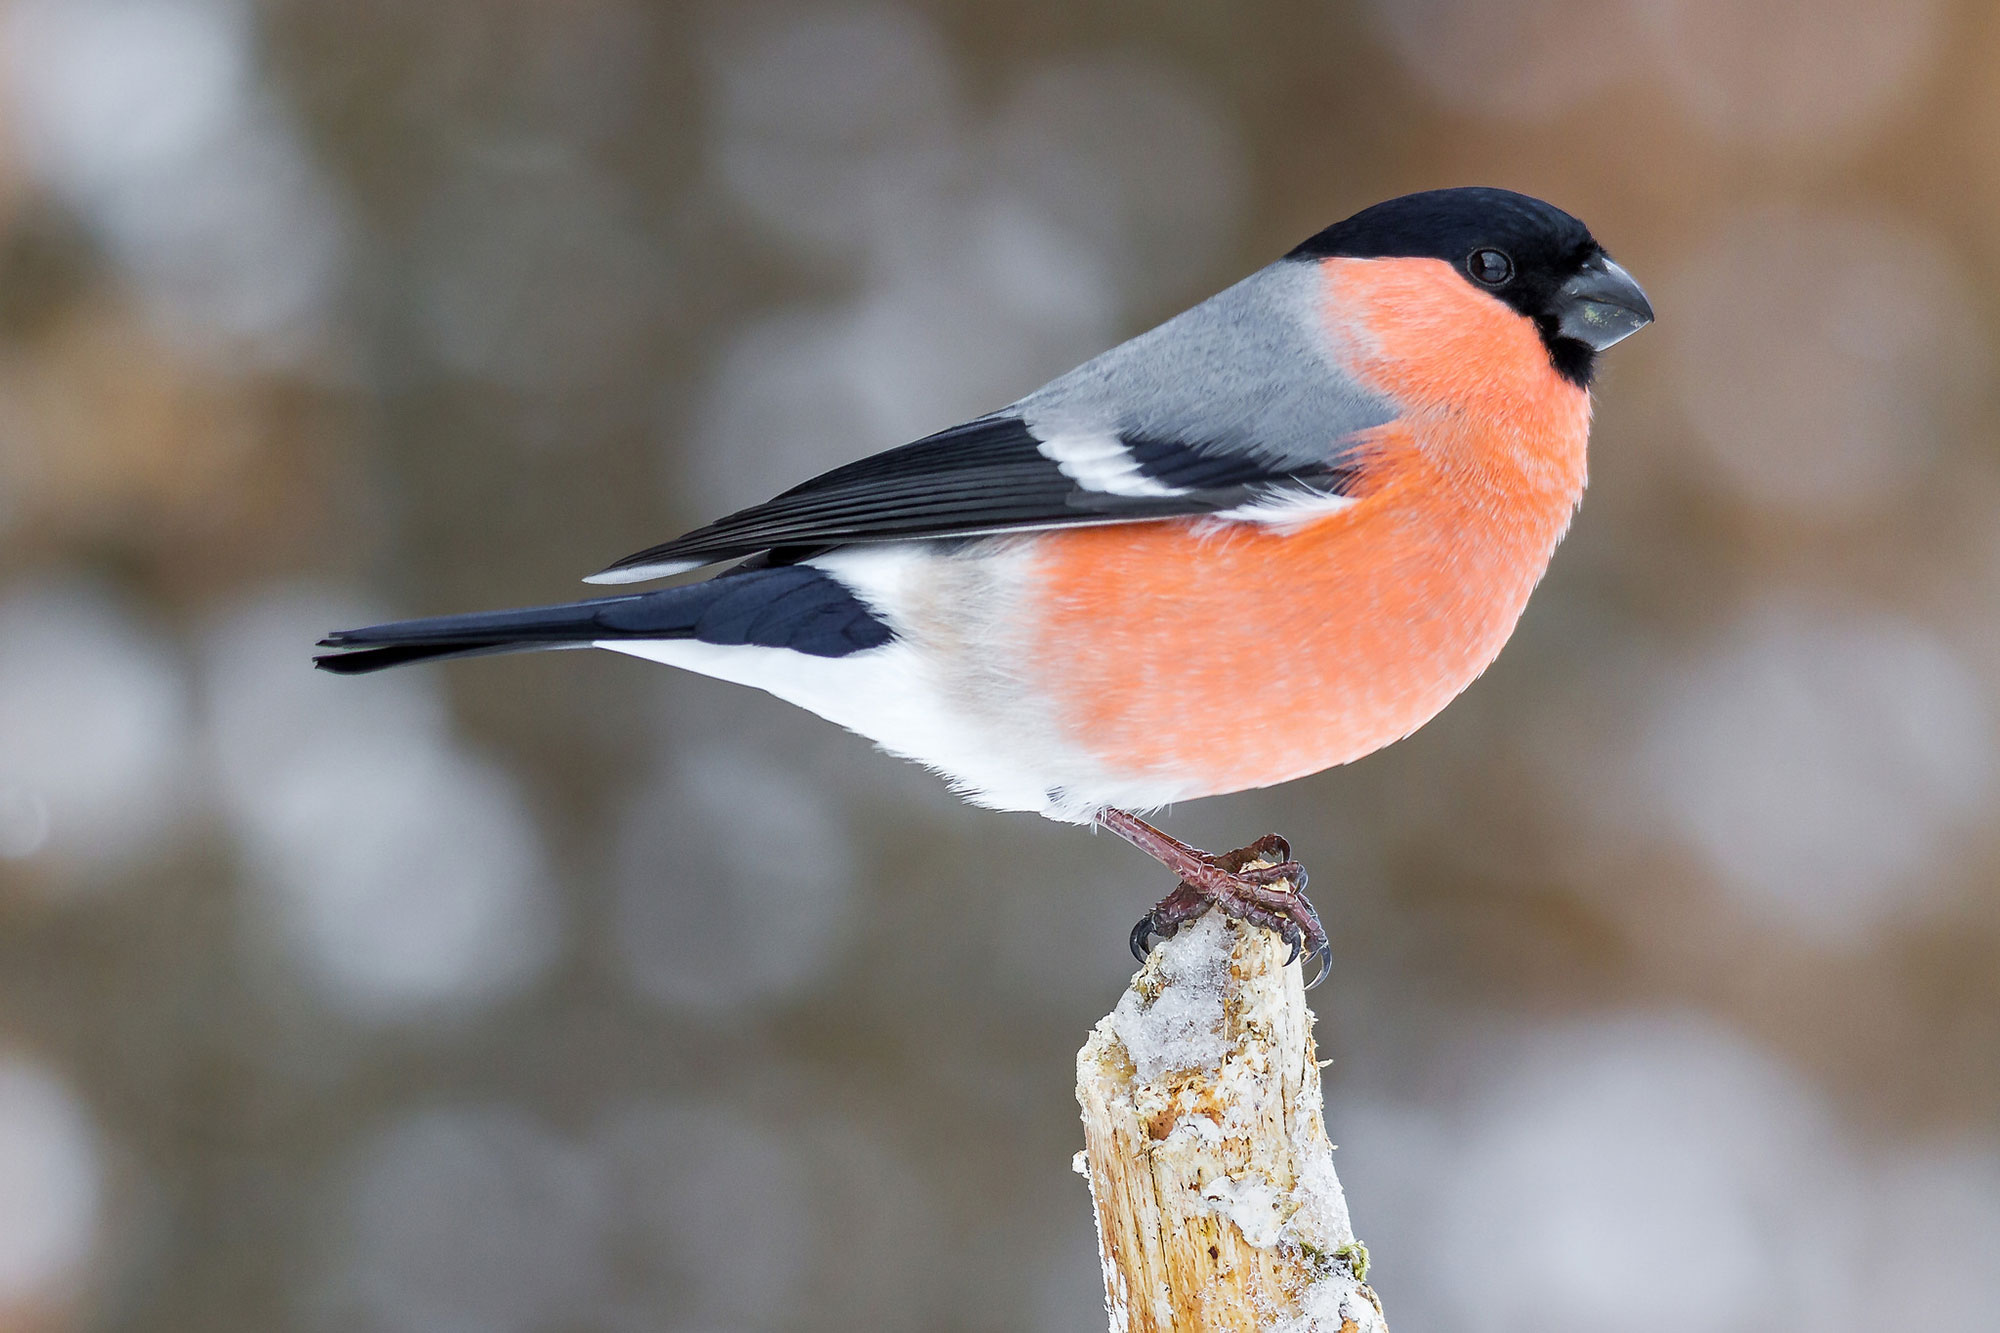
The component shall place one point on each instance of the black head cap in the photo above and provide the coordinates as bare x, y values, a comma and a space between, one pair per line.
1517, 248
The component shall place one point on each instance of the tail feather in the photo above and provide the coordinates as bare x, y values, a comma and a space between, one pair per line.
361, 661
794, 606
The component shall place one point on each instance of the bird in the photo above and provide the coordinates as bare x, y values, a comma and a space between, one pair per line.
1270, 536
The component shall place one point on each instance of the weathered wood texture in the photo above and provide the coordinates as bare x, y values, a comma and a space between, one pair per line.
1217, 1203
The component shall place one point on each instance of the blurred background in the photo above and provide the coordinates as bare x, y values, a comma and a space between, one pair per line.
567, 993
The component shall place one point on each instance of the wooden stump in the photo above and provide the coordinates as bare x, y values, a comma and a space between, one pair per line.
1208, 1161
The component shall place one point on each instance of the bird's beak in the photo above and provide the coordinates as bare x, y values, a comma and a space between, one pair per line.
1601, 305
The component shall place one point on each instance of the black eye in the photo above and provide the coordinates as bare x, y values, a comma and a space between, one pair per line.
1491, 267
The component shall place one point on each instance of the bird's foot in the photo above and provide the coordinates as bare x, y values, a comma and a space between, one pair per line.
1260, 884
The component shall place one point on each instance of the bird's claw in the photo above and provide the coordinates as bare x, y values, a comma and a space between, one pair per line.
1141, 937
1241, 884
1172, 912
1322, 950
1271, 849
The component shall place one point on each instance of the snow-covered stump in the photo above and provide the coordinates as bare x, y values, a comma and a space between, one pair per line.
1217, 1203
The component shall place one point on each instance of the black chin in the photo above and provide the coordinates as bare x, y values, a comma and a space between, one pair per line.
1575, 361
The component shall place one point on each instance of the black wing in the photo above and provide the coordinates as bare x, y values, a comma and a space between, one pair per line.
986, 476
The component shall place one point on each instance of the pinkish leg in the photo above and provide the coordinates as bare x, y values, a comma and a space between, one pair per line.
1221, 881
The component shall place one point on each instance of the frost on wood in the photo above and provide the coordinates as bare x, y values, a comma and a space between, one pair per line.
1217, 1203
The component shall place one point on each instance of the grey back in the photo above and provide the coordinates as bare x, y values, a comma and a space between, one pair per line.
1247, 372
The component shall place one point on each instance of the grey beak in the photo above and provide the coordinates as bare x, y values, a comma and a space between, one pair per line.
1601, 305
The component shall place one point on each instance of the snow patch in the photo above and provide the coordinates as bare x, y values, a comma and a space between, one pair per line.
1180, 1026
1196, 1127
1320, 1204
1333, 1307
1254, 1204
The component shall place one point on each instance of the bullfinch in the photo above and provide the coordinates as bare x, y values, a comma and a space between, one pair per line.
1277, 532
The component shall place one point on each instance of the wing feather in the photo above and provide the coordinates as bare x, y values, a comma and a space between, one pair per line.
1232, 409
987, 476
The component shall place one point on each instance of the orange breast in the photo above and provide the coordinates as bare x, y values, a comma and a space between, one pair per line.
1218, 657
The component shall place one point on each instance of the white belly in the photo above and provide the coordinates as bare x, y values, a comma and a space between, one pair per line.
941, 694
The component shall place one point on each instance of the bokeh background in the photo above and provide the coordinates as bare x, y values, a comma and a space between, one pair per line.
565, 993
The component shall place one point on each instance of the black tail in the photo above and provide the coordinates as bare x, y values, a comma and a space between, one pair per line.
793, 606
